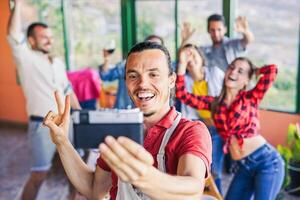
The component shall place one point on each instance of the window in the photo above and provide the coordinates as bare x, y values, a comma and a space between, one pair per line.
196, 13
156, 17
48, 12
276, 27
92, 25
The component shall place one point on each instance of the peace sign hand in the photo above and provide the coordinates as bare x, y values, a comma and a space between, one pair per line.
59, 123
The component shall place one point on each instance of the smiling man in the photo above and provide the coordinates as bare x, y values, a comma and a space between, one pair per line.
175, 157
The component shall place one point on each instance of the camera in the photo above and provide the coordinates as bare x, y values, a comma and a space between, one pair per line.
92, 126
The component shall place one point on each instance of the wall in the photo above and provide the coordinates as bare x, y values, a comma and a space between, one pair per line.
274, 125
12, 102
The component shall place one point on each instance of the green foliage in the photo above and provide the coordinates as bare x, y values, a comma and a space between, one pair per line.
291, 152
145, 28
282, 96
286, 80
294, 142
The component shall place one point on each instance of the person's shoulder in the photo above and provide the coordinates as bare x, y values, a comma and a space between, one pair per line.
205, 49
187, 125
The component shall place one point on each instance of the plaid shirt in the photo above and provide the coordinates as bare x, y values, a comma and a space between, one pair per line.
241, 117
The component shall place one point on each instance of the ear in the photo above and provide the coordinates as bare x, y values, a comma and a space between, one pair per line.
31, 41
172, 80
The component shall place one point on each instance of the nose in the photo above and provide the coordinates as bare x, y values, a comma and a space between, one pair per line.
143, 81
214, 33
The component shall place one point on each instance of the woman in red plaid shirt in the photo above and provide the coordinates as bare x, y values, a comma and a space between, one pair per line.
235, 113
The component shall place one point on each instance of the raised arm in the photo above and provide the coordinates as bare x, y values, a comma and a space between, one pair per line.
107, 60
14, 23
242, 26
198, 102
267, 77
186, 33
81, 176
113, 74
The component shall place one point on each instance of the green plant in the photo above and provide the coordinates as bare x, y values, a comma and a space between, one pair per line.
291, 152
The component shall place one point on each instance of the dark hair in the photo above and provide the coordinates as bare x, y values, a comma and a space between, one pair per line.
31, 27
221, 97
142, 46
150, 37
215, 17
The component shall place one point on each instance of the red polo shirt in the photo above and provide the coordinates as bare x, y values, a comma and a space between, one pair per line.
190, 137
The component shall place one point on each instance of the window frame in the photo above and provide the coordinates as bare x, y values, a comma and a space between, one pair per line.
129, 36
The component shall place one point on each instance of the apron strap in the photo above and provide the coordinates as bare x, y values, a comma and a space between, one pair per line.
161, 153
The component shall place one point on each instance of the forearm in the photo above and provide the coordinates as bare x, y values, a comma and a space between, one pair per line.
164, 186
181, 68
14, 24
195, 101
77, 171
248, 37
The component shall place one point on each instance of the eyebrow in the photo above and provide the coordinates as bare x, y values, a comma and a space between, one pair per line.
131, 71
151, 70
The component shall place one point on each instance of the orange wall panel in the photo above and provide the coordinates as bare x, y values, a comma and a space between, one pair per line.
274, 125
12, 102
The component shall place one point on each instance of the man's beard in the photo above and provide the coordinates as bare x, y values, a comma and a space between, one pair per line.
43, 50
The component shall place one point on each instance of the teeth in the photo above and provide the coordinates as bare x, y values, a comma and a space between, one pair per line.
145, 94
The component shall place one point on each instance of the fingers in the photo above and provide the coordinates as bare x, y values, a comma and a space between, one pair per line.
137, 150
127, 165
122, 169
51, 116
49, 121
66, 112
58, 102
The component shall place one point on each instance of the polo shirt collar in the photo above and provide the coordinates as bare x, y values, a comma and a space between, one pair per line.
168, 119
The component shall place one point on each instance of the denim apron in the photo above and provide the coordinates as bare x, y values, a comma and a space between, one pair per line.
126, 191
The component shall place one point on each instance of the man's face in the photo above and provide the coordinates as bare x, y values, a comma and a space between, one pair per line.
148, 81
217, 31
41, 40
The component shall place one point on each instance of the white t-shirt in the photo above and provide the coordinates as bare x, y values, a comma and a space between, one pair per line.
38, 76
214, 77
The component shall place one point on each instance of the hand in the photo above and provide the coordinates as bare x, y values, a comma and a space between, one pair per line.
195, 66
241, 25
129, 160
184, 58
186, 32
59, 123
257, 72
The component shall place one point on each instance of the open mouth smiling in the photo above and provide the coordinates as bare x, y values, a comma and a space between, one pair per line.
145, 96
